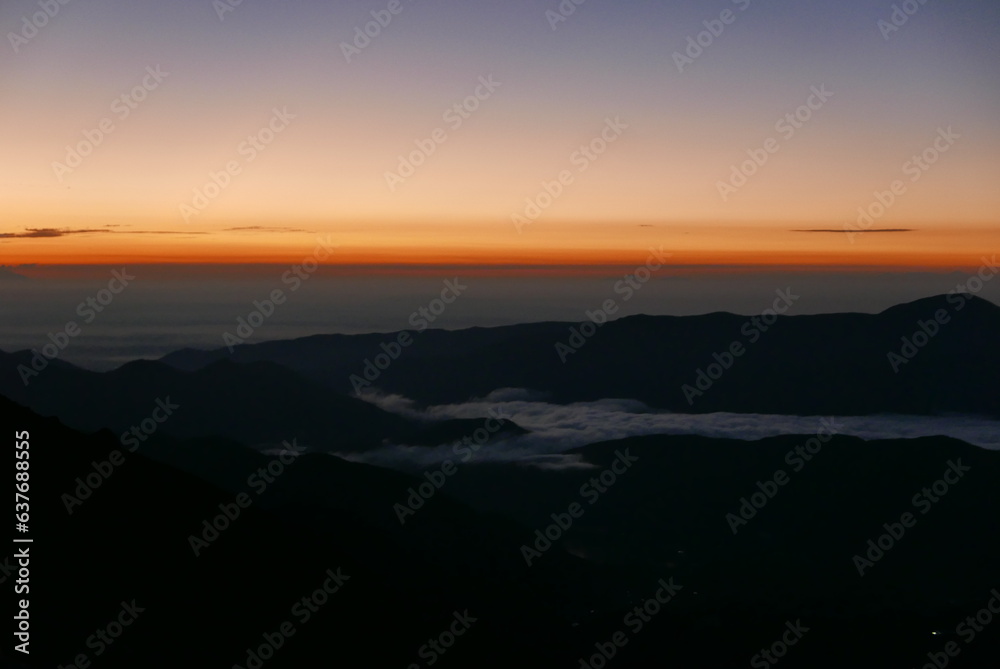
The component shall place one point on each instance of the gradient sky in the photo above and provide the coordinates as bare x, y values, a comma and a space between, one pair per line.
657, 184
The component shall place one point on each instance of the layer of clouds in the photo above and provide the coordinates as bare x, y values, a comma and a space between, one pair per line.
557, 428
47, 233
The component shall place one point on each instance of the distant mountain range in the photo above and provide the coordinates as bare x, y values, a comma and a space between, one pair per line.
264, 394
834, 364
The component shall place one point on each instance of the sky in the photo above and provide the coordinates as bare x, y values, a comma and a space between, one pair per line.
194, 132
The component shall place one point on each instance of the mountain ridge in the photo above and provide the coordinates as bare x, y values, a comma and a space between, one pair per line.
449, 366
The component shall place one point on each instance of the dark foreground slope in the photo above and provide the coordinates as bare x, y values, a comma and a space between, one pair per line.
663, 518
131, 539
826, 364
770, 531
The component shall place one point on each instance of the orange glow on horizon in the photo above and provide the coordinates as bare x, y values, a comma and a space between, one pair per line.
494, 246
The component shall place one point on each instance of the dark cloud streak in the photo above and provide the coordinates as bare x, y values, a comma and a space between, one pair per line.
857, 231
49, 233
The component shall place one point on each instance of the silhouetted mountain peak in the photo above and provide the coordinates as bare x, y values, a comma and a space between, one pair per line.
952, 302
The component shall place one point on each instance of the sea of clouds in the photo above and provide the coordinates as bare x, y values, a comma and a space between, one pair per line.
557, 428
